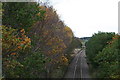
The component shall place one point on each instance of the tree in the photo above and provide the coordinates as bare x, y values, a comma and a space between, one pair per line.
14, 43
96, 44
108, 59
53, 34
21, 14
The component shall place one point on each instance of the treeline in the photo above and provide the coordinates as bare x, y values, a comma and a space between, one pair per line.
35, 41
76, 43
103, 53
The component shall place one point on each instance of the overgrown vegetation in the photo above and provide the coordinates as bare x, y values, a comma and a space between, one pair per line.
35, 41
103, 52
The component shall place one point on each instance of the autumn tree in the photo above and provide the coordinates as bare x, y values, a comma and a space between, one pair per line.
17, 51
13, 44
34, 33
54, 35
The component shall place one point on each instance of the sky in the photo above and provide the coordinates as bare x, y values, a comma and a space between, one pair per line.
86, 17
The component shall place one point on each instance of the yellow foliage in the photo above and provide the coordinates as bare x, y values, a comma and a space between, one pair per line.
27, 40
13, 53
14, 42
19, 47
68, 31
64, 60
38, 14
22, 30
42, 7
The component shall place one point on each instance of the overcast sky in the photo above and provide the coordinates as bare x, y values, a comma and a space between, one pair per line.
86, 17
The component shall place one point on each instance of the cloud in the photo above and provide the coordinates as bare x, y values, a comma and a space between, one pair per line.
86, 17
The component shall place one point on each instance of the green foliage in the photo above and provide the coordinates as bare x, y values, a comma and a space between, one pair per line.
108, 59
1, 12
21, 14
96, 44
76, 43
12, 68
35, 65
18, 59
52, 37
103, 51
44, 50
12, 46
13, 41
